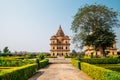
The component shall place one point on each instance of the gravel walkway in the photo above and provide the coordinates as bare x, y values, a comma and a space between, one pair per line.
60, 71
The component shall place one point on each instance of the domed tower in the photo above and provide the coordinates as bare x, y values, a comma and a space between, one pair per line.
60, 45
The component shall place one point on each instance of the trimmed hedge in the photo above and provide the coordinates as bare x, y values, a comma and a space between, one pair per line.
97, 73
101, 60
76, 63
114, 67
20, 73
43, 63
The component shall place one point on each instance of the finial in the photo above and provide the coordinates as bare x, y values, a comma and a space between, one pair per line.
60, 26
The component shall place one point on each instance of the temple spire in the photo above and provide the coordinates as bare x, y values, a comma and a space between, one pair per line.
60, 32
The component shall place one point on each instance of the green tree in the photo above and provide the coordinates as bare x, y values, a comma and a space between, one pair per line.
0, 51
90, 18
118, 53
6, 50
100, 40
74, 52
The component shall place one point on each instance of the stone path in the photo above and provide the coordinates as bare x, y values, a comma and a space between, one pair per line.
61, 71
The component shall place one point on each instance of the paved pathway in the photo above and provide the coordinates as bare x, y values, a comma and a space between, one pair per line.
61, 71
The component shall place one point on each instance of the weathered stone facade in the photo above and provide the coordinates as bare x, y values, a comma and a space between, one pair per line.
60, 45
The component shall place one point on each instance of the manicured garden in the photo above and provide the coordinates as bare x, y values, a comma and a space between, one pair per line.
99, 68
13, 68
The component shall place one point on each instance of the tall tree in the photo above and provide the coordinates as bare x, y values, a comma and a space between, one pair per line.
100, 40
90, 18
6, 50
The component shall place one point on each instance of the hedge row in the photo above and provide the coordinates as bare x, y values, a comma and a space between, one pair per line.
101, 60
43, 63
98, 73
20, 73
114, 67
76, 63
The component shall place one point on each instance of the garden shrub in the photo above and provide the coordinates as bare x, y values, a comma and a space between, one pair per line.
43, 63
101, 60
20, 73
99, 73
15, 63
30, 56
41, 56
76, 63
114, 67
111, 75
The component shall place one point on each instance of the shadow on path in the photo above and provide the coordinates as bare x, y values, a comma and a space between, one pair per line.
38, 73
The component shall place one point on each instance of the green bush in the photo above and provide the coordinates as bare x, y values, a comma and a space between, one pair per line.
111, 75
99, 73
114, 67
15, 63
43, 63
20, 73
41, 56
51, 56
30, 56
76, 63
101, 60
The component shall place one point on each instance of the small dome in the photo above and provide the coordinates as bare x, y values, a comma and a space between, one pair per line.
53, 37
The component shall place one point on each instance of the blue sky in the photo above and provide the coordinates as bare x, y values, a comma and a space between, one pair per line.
27, 25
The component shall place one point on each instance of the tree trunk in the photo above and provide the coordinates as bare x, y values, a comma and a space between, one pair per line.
101, 51
104, 54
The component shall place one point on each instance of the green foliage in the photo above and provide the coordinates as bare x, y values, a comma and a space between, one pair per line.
111, 75
51, 56
97, 73
74, 52
101, 60
41, 56
6, 50
91, 18
21, 73
14, 63
118, 53
92, 55
29, 56
113, 67
44, 63
76, 63
100, 39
